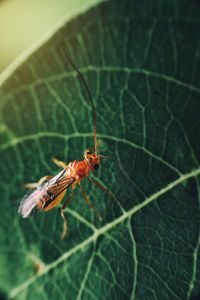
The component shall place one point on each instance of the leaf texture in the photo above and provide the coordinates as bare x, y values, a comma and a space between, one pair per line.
141, 60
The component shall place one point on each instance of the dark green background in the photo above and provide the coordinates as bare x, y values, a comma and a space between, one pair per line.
141, 60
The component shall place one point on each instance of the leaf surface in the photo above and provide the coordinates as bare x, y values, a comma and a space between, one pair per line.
141, 60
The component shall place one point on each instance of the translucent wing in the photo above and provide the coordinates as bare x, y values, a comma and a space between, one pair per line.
41, 197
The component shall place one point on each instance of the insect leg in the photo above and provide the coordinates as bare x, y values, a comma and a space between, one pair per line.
64, 216
90, 205
36, 184
105, 189
59, 163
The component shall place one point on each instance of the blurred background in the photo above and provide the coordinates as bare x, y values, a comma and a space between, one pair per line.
23, 22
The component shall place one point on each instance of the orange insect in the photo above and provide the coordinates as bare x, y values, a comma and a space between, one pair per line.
43, 196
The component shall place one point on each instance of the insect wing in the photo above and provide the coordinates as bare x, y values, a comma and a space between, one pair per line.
57, 185
38, 198
30, 202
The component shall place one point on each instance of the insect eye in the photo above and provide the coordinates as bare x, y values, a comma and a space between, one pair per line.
96, 166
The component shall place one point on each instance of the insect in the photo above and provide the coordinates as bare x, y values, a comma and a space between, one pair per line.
49, 190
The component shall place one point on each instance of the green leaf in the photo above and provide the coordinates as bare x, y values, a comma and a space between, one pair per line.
141, 60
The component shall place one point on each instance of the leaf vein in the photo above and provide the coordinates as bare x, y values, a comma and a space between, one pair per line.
18, 140
98, 232
89, 68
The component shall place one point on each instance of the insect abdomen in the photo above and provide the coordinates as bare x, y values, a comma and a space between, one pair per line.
52, 203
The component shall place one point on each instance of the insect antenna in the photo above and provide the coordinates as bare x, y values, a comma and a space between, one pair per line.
119, 164
112, 159
89, 94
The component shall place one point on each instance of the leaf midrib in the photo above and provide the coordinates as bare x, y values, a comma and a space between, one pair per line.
102, 230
